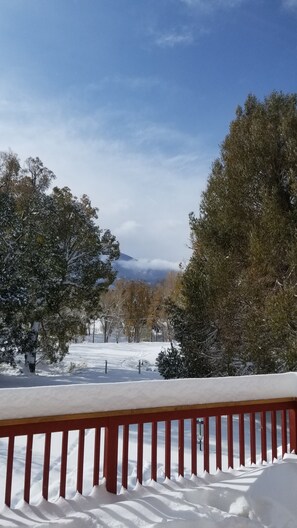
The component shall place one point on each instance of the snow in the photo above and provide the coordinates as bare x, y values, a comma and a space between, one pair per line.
85, 363
260, 496
245, 498
23, 402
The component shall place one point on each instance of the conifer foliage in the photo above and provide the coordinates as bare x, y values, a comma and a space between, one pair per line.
238, 309
54, 262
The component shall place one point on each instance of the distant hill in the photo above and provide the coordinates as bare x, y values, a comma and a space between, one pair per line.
150, 271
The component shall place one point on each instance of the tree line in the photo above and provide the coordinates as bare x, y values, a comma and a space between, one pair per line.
138, 310
237, 308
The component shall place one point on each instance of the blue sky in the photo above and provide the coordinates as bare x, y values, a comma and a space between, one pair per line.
128, 100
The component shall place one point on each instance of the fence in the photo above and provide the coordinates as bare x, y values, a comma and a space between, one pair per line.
205, 432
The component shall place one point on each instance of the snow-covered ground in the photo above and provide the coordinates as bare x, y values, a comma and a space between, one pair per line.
85, 363
255, 497
247, 498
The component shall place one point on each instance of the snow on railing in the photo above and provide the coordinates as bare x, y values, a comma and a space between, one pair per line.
72, 437
95, 397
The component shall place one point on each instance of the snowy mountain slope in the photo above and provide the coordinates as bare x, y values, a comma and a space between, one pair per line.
150, 271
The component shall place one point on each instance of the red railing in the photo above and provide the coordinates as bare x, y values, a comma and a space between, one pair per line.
244, 432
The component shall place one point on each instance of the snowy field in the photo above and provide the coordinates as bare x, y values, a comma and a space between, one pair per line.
85, 363
261, 496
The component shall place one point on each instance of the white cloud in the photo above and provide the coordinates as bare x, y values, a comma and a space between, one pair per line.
144, 193
127, 227
290, 4
154, 264
174, 38
210, 5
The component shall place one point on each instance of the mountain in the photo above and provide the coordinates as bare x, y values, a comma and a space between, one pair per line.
150, 271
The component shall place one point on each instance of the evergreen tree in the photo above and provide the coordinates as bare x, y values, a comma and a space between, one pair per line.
170, 363
240, 287
55, 262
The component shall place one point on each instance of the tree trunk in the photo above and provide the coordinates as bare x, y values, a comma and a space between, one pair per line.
105, 334
30, 347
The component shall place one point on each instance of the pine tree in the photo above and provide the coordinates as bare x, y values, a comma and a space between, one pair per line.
245, 241
170, 363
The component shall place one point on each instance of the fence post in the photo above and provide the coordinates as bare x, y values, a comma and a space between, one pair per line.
111, 456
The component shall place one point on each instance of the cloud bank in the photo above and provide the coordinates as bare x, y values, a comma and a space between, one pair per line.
146, 264
144, 182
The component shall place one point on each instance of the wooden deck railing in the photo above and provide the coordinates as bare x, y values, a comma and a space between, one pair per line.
260, 427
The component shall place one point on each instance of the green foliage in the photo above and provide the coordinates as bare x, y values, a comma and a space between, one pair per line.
54, 262
170, 363
192, 327
240, 287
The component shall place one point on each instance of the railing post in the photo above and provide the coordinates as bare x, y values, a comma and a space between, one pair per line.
273, 435
9, 469
80, 461
293, 429
125, 456
139, 469
194, 446
230, 440
46, 465
167, 449
154, 451
284, 433
111, 456
241, 440
263, 437
181, 447
218, 442
253, 438
97, 443
28, 467
63, 470
206, 444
